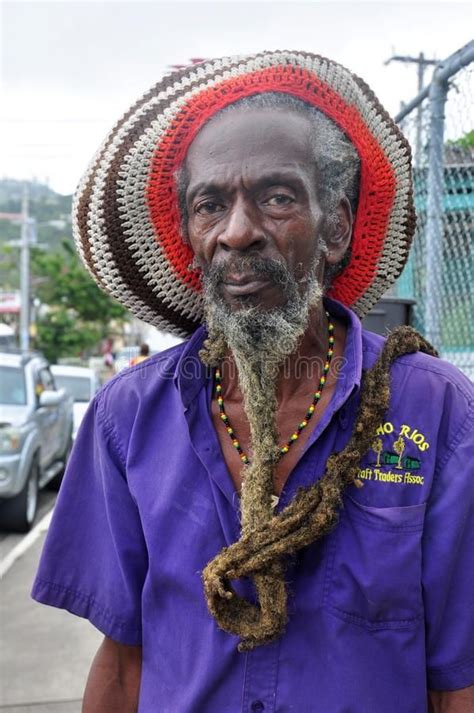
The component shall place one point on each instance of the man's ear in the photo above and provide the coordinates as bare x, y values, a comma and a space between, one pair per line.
338, 232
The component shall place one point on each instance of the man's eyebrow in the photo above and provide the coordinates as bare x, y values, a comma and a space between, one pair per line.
202, 188
280, 177
267, 179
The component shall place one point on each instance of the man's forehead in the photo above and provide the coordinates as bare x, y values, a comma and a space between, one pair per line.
252, 139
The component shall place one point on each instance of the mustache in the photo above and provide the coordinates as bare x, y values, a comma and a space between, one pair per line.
260, 267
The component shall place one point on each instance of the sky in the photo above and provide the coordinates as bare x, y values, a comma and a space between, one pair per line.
70, 69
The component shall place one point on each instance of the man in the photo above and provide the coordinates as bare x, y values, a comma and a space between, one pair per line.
277, 514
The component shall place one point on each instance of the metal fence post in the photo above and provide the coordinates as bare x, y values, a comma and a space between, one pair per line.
434, 211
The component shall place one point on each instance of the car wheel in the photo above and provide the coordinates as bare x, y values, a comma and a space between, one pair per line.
18, 514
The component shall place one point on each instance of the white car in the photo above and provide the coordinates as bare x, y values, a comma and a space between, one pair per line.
36, 422
81, 383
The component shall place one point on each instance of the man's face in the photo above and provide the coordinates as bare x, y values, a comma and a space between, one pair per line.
251, 193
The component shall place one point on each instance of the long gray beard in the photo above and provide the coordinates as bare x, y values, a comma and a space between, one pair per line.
260, 341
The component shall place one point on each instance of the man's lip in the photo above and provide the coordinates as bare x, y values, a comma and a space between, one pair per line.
241, 278
244, 284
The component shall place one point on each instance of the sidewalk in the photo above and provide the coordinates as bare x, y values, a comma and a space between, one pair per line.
45, 653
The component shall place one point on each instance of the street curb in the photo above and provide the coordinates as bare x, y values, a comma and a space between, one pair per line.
25, 544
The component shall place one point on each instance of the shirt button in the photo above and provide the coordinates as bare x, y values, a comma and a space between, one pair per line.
257, 707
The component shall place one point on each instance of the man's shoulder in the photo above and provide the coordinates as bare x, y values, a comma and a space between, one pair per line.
419, 370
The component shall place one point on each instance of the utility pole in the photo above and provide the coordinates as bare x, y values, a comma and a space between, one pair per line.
422, 63
25, 273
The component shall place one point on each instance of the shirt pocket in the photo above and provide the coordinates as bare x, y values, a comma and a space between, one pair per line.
373, 574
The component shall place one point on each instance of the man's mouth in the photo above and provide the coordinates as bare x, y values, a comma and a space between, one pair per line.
239, 284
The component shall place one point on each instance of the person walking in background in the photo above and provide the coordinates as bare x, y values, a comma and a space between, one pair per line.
142, 356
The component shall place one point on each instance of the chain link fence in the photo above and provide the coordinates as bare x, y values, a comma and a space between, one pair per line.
439, 275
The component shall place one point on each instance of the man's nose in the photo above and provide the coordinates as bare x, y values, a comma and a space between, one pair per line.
243, 229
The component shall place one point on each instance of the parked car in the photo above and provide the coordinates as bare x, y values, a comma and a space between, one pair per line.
81, 383
36, 422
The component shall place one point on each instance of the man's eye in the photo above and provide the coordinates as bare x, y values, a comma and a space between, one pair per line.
208, 208
279, 199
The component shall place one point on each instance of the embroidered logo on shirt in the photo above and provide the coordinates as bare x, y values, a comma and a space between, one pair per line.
407, 432
393, 452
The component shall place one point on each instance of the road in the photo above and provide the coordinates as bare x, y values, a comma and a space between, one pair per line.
44, 653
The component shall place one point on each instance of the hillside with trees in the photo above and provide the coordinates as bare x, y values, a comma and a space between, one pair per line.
73, 315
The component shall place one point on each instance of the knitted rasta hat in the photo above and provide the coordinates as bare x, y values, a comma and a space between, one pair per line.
126, 215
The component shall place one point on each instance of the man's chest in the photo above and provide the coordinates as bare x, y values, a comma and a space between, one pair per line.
288, 418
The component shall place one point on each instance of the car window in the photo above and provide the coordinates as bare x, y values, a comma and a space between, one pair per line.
43, 381
12, 386
46, 379
79, 387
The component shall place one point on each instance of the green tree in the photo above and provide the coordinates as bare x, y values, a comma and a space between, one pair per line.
9, 268
79, 313
60, 335
465, 142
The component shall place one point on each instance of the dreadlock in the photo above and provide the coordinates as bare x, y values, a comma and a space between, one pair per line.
313, 512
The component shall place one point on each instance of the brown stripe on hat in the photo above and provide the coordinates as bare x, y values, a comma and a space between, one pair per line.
118, 245
112, 222
83, 202
408, 225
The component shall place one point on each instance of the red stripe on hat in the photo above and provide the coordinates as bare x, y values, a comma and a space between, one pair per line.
377, 182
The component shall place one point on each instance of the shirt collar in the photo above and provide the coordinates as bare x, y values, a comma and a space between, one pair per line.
191, 374
351, 365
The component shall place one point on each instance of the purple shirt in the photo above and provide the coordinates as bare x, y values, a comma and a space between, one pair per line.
379, 610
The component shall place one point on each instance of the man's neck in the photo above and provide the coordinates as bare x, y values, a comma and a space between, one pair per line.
301, 370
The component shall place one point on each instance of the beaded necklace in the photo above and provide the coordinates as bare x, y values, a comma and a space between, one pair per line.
296, 434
